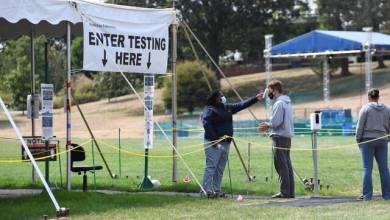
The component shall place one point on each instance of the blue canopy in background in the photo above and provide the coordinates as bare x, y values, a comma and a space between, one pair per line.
330, 42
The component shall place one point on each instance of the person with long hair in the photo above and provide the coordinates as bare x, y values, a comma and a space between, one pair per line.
217, 120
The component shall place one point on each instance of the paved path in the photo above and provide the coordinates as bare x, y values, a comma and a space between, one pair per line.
248, 200
11, 193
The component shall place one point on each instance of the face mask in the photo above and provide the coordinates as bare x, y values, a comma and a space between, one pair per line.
270, 95
223, 100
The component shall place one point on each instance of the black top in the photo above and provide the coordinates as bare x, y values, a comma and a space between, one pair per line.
218, 120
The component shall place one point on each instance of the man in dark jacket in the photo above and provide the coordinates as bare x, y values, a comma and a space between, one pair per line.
217, 119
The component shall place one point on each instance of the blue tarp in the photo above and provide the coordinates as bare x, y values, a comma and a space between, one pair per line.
327, 41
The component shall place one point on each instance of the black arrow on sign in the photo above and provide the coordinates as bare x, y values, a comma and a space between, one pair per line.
104, 60
148, 63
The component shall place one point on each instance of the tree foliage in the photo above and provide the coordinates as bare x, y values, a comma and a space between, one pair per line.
15, 69
241, 24
192, 88
344, 15
111, 85
235, 24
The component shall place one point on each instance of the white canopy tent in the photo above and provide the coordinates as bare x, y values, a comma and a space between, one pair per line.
64, 18
50, 17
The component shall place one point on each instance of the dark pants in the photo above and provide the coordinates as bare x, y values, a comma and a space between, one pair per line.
282, 162
369, 150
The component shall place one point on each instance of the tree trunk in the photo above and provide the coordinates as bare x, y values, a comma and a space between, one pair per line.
213, 48
381, 63
345, 67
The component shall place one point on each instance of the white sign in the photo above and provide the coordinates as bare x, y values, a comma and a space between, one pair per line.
47, 111
33, 106
113, 46
37, 147
148, 111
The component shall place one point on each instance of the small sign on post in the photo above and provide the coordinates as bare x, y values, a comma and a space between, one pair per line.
33, 106
47, 111
148, 132
149, 93
37, 147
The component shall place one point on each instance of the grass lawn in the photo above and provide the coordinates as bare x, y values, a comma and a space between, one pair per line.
130, 206
339, 168
305, 86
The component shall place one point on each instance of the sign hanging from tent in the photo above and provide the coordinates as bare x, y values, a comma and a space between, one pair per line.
119, 46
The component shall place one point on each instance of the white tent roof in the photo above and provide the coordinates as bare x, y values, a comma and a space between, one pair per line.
50, 16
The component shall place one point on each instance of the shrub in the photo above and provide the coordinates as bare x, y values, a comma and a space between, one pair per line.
83, 91
112, 85
192, 88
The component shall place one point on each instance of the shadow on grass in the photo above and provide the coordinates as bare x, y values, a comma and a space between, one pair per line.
79, 203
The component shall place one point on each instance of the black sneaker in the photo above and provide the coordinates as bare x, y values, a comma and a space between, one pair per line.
211, 195
277, 196
361, 198
281, 196
220, 194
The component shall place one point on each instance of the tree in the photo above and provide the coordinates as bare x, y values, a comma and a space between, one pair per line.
331, 17
241, 24
342, 15
112, 85
235, 24
192, 88
15, 69
18, 81
77, 49
369, 13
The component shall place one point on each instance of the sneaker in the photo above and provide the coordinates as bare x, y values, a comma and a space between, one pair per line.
281, 196
277, 196
361, 198
220, 194
211, 195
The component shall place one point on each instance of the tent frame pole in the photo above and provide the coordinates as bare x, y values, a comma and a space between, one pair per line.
32, 46
174, 102
326, 79
268, 71
368, 58
68, 107
268, 68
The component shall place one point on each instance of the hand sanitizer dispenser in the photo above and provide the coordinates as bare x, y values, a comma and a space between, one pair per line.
315, 121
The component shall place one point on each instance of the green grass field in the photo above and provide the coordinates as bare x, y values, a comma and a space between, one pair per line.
100, 206
339, 168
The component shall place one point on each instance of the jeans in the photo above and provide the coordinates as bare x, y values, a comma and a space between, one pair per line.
216, 158
369, 150
283, 166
